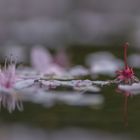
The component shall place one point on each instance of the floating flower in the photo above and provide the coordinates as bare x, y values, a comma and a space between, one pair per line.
127, 75
8, 96
126, 78
43, 62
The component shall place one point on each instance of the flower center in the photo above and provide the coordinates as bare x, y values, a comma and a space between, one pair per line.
127, 73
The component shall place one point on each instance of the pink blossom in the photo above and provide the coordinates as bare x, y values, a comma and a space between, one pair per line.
8, 77
42, 61
8, 96
127, 75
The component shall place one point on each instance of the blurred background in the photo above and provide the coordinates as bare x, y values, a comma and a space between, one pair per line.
83, 28
65, 22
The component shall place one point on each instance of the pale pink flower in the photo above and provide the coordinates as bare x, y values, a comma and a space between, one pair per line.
8, 96
43, 61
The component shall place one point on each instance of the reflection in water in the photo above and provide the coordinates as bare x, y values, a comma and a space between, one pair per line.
50, 98
22, 132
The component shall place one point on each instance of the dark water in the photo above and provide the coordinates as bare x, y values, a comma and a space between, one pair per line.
108, 120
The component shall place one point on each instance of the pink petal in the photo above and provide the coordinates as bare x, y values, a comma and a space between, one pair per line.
40, 58
10, 75
2, 79
62, 59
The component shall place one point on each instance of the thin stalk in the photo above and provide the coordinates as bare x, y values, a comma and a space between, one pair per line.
125, 110
125, 54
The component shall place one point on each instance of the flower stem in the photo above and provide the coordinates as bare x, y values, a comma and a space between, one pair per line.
125, 54
125, 110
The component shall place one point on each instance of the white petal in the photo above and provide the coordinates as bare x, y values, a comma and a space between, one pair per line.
103, 63
133, 89
78, 71
23, 84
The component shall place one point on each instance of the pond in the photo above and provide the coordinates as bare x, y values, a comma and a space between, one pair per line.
64, 114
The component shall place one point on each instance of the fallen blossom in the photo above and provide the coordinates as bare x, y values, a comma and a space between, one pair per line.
8, 96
